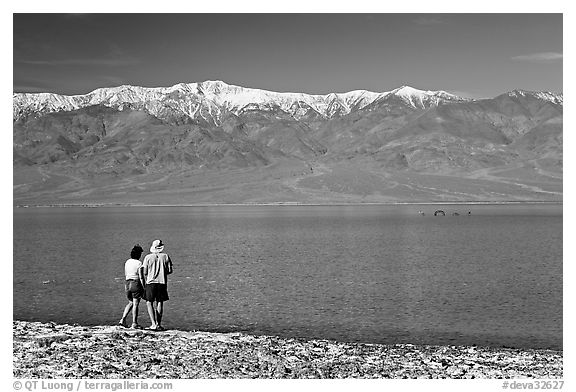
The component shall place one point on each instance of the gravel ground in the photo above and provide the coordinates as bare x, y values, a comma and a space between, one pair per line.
48, 350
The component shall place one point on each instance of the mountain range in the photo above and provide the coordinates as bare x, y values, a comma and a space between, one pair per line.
212, 142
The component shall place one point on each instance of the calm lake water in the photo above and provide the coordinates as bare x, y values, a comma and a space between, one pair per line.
379, 274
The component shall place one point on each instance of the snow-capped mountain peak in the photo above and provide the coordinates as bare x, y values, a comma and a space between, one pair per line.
407, 91
423, 98
557, 98
211, 98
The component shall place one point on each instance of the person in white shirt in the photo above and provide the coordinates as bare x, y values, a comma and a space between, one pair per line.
134, 285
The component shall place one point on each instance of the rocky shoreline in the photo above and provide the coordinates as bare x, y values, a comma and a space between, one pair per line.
49, 350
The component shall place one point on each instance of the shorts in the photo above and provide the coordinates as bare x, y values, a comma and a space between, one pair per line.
134, 289
156, 292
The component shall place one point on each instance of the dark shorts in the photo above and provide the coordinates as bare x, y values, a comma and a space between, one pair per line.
134, 289
156, 292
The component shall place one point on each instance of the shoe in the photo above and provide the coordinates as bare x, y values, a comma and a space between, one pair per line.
160, 328
151, 328
135, 326
121, 323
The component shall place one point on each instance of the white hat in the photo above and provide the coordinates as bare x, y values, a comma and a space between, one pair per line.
157, 246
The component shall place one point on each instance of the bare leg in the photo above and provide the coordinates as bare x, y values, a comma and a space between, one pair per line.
125, 314
152, 313
135, 302
159, 311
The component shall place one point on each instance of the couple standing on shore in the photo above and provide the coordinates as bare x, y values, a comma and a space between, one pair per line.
148, 280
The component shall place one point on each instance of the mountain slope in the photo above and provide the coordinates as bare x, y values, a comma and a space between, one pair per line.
209, 100
99, 139
213, 142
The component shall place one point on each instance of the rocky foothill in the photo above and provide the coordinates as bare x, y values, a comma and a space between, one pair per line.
49, 350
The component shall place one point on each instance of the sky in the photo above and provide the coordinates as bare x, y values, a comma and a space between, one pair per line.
473, 55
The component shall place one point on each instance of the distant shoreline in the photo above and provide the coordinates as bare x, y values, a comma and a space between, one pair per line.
50, 350
283, 204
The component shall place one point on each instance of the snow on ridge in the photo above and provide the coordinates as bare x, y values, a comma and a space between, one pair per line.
211, 96
557, 98
235, 98
407, 91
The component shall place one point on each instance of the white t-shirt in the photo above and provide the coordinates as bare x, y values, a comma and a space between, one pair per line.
131, 268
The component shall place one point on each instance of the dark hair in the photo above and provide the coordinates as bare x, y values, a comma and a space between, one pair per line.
136, 252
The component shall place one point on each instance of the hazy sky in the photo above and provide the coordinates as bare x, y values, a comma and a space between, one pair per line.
477, 55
